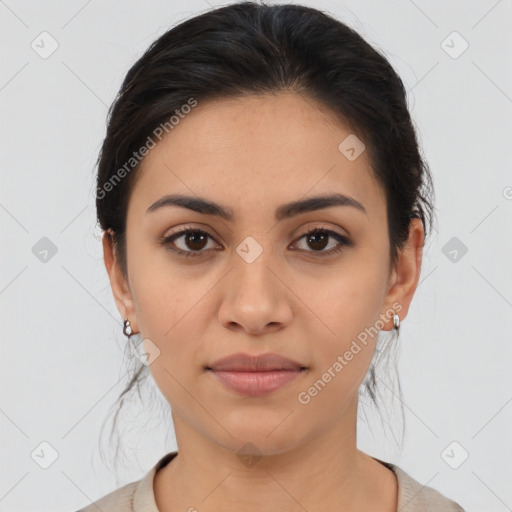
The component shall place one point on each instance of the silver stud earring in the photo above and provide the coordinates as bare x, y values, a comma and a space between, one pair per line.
396, 323
127, 328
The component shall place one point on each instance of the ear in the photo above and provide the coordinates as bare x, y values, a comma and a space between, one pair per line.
406, 273
118, 282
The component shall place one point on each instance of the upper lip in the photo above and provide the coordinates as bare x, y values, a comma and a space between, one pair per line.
253, 363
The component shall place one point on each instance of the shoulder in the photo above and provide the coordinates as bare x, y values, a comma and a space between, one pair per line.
119, 500
137, 496
415, 497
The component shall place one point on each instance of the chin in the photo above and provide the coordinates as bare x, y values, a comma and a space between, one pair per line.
261, 442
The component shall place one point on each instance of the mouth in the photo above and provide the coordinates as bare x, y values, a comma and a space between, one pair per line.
255, 375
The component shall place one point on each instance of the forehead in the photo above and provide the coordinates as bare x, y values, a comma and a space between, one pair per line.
252, 151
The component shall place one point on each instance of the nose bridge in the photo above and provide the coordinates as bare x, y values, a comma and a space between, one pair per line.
252, 274
254, 298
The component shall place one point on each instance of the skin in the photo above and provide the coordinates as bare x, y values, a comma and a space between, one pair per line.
252, 154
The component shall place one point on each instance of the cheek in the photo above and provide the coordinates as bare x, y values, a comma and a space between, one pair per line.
341, 359
170, 317
179, 363
163, 295
352, 304
351, 310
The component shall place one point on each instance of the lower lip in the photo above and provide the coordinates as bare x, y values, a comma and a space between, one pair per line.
256, 383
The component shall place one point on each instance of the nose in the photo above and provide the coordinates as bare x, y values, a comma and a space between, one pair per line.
254, 298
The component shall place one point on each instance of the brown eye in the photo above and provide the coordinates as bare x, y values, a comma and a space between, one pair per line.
192, 244
195, 240
318, 240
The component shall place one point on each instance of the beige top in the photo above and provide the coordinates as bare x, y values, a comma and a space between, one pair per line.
139, 496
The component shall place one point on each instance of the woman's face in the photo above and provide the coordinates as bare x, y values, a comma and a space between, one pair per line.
255, 284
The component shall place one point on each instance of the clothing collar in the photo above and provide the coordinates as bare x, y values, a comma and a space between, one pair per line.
408, 487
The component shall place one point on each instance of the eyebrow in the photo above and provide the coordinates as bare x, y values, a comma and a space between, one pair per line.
285, 211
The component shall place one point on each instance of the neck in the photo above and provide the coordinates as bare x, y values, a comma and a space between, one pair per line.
327, 472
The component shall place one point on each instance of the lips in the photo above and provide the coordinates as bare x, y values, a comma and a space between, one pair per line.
255, 363
255, 375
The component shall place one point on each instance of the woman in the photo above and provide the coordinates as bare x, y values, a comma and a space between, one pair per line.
265, 207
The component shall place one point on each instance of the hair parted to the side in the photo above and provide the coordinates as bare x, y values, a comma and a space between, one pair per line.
251, 48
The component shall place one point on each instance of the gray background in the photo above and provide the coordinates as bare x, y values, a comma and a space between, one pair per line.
62, 347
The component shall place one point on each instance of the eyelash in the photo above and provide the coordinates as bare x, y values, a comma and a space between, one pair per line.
343, 241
